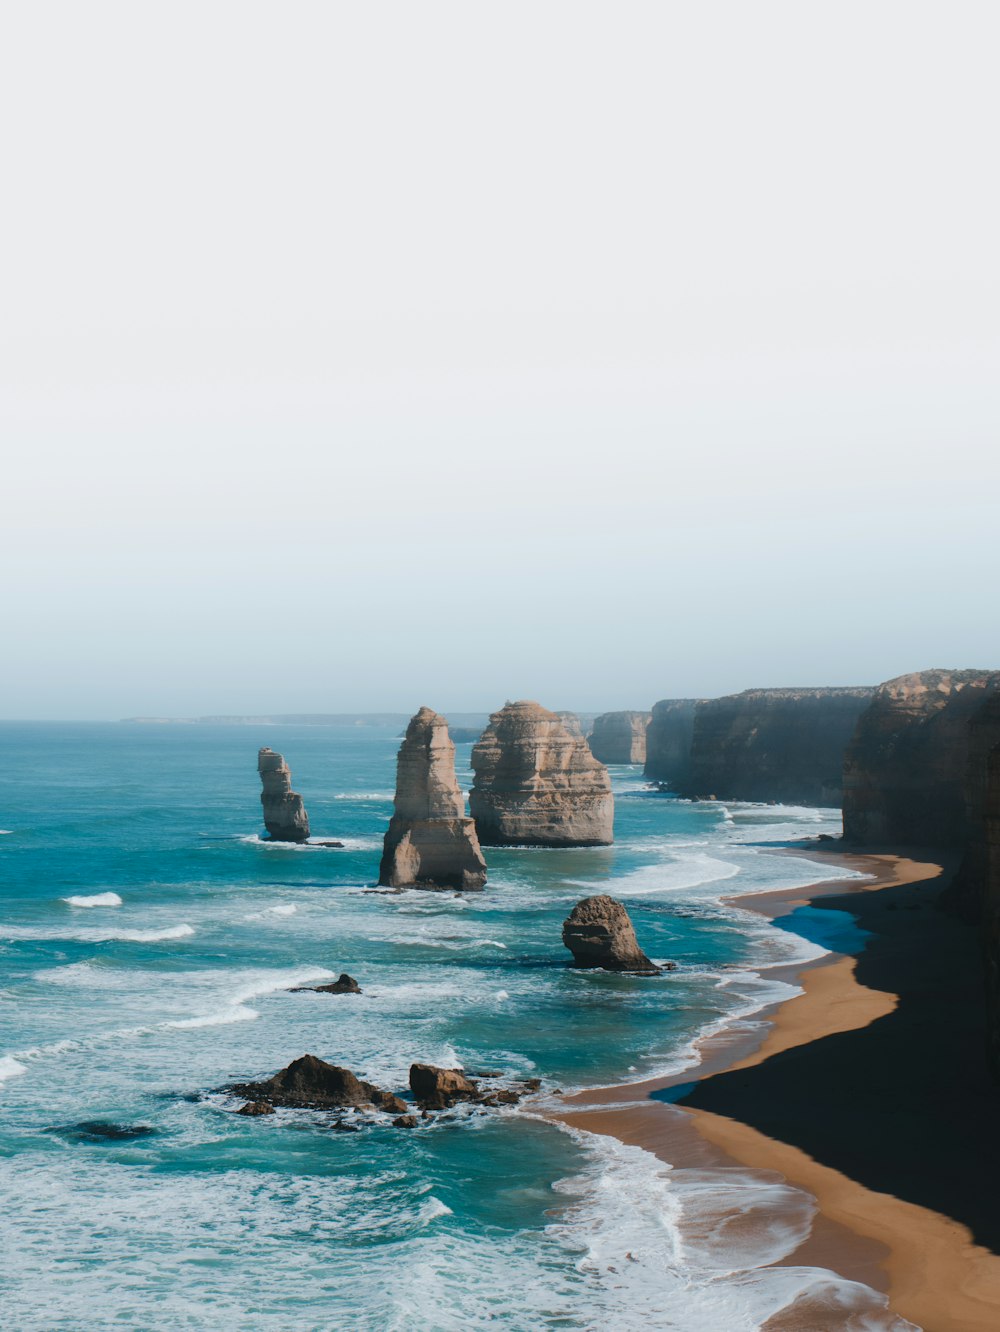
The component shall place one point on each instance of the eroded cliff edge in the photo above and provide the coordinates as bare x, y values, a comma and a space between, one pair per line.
619, 737
668, 741
536, 784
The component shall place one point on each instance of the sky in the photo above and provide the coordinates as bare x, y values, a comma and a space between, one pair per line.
357, 357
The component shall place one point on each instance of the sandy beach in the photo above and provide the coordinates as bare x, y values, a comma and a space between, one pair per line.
868, 1090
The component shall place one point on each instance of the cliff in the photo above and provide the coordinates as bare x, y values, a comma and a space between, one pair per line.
285, 815
668, 741
906, 771
536, 784
991, 906
430, 842
619, 737
773, 744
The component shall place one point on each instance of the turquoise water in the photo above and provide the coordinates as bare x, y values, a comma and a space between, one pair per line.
148, 943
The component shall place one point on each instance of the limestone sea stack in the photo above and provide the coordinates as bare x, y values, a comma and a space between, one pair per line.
285, 815
599, 933
619, 737
536, 784
430, 843
906, 771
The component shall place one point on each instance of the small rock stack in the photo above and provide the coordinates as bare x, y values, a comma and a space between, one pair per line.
285, 815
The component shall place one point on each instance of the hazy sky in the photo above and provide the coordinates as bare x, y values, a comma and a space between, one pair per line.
358, 356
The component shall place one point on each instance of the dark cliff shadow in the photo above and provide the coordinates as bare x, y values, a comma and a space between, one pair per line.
904, 1106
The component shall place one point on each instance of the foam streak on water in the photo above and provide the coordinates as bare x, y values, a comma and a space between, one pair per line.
154, 949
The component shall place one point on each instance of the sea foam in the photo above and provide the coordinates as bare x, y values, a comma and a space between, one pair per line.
94, 900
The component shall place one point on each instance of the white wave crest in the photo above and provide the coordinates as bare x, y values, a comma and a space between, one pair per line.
94, 900
282, 909
10, 1067
237, 1013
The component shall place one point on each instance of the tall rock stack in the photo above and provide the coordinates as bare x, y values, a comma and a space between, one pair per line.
536, 784
430, 842
906, 771
285, 815
668, 742
619, 737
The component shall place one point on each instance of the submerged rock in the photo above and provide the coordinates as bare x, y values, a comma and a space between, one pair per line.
599, 933
537, 784
619, 737
285, 815
311, 1083
438, 1088
430, 842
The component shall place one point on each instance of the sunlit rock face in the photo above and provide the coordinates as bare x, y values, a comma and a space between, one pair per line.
537, 784
599, 933
430, 843
785, 745
285, 815
619, 737
906, 771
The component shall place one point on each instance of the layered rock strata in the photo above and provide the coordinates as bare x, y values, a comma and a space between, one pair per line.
536, 784
599, 933
668, 742
907, 770
285, 815
430, 842
619, 737
785, 745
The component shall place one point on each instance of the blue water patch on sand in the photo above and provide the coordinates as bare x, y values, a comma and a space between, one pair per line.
837, 931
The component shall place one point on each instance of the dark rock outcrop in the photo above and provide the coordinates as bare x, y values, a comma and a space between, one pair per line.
773, 744
430, 842
311, 1083
599, 933
619, 737
285, 815
906, 772
255, 1108
344, 984
668, 742
536, 784
438, 1088
991, 906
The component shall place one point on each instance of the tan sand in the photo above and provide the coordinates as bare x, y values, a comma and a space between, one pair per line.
934, 1274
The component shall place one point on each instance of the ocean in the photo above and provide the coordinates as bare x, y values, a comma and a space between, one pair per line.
149, 943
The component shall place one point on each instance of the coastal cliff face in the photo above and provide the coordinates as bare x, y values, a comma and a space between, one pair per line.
906, 771
668, 741
536, 784
773, 744
619, 737
430, 842
991, 905
285, 815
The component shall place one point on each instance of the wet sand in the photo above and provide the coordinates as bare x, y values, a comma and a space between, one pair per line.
869, 1090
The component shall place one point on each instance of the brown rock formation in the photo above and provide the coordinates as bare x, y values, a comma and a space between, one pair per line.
906, 772
430, 842
255, 1108
599, 933
773, 744
619, 737
285, 815
437, 1088
668, 742
312, 1083
536, 784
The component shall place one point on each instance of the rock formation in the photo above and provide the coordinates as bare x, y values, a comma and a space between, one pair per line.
572, 723
430, 842
773, 744
536, 784
668, 742
906, 771
312, 1083
991, 906
619, 737
285, 815
598, 933
344, 984
437, 1088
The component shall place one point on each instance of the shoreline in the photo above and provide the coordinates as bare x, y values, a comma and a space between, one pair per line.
925, 1261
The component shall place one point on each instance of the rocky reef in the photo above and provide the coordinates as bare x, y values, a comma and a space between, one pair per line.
311, 1083
773, 744
430, 843
599, 933
536, 784
906, 772
668, 742
285, 815
619, 737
